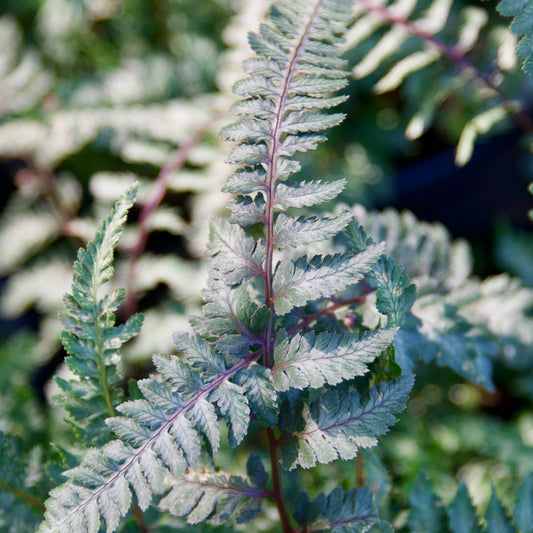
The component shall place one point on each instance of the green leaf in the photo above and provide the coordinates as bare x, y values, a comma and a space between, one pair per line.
339, 423
252, 130
245, 181
522, 25
233, 406
306, 122
297, 283
312, 360
236, 255
256, 380
90, 336
497, 522
339, 512
247, 211
213, 497
302, 231
307, 193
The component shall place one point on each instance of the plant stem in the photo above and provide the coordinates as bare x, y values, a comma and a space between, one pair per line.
99, 349
272, 176
360, 470
143, 528
111, 408
337, 304
276, 480
23, 496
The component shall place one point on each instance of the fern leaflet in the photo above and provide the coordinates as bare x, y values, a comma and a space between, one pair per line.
339, 423
214, 496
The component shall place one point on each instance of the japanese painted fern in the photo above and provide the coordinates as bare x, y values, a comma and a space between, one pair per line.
268, 347
304, 356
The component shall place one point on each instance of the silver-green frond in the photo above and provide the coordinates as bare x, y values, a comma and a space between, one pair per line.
90, 336
162, 434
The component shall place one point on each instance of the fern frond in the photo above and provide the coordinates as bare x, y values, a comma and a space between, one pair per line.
411, 43
23, 79
339, 512
394, 294
310, 361
291, 233
522, 25
231, 319
298, 56
159, 434
523, 511
339, 423
90, 336
425, 515
236, 255
447, 321
214, 496
307, 193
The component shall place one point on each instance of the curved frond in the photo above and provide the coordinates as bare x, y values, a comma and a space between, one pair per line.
162, 433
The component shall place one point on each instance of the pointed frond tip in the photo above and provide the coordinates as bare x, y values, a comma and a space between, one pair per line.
90, 336
291, 83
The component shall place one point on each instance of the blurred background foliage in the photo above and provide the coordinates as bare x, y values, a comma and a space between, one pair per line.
96, 94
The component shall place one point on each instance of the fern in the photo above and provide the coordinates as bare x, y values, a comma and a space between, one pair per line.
339, 424
89, 335
213, 496
311, 325
244, 343
339, 512
412, 36
21, 486
450, 320
24, 81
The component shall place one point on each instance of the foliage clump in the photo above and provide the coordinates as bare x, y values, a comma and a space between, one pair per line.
322, 326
